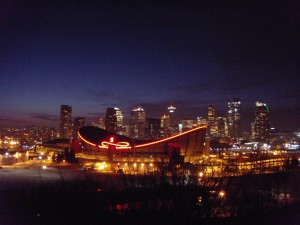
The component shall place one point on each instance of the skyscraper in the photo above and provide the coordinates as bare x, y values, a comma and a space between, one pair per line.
78, 122
166, 125
113, 120
221, 126
210, 118
138, 123
99, 123
234, 117
153, 129
261, 122
65, 126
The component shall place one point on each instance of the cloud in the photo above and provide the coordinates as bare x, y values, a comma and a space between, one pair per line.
290, 94
11, 120
45, 117
194, 88
238, 83
6, 122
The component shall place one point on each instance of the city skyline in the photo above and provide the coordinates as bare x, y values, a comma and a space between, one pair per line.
96, 55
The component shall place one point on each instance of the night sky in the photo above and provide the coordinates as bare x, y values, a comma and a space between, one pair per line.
97, 54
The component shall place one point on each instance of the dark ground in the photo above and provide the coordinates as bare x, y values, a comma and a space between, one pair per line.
93, 199
69, 205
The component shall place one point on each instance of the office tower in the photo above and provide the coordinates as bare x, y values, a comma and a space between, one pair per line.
234, 118
210, 118
171, 110
78, 122
153, 129
113, 120
166, 125
137, 123
65, 127
99, 123
221, 127
187, 124
261, 122
201, 121
252, 134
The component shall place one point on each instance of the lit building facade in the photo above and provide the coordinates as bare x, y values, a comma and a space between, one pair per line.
188, 124
153, 129
65, 126
221, 127
171, 110
261, 122
166, 125
137, 123
99, 123
210, 118
78, 122
114, 120
234, 117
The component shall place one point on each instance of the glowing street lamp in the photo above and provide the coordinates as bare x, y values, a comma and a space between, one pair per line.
222, 194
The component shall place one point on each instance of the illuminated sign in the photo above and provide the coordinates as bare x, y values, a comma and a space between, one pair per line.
119, 145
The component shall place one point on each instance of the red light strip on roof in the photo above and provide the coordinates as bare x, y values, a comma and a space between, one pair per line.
85, 140
169, 138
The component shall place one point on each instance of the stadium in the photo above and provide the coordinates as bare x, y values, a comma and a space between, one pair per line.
105, 150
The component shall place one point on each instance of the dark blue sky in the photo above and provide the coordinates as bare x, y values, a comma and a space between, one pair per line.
97, 54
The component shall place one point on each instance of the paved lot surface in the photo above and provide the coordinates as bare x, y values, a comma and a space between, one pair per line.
33, 173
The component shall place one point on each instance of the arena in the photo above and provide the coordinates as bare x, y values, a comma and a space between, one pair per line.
109, 151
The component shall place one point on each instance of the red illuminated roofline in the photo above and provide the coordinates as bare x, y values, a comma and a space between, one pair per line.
86, 140
122, 145
169, 138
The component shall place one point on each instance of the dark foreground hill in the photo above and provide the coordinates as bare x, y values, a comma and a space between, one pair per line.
87, 203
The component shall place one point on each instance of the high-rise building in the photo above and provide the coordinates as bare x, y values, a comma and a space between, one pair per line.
171, 110
138, 123
78, 122
221, 127
234, 117
99, 123
261, 122
201, 121
65, 126
252, 133
114, 120
153, 129
210, 118
188, 124
166, 125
